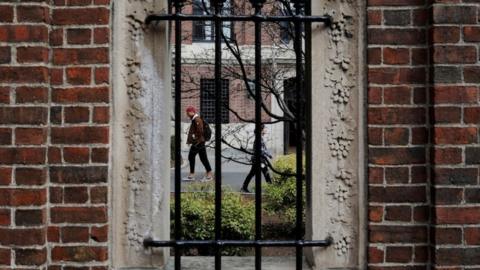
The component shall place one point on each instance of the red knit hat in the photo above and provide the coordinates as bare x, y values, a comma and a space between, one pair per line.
191, 109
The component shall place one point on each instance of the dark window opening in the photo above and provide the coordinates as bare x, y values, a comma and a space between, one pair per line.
204, 31
207, 100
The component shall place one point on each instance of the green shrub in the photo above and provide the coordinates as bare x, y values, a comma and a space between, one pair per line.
198, 218
280, 196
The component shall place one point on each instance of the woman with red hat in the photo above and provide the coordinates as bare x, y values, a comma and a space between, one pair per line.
196, 138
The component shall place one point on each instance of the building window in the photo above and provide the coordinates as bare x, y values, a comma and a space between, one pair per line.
207, 100
205, 30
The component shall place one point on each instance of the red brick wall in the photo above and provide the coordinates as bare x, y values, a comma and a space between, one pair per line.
54, 133
423, 121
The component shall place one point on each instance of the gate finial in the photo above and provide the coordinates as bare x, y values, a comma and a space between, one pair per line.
298, 3
178, 4
257, 3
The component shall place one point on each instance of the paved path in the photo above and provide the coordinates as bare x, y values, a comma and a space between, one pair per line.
233, 173
236, 263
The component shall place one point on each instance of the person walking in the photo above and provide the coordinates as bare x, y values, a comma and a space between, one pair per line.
196, 138
264, 156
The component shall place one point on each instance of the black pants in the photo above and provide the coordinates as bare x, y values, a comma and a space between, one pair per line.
251, 174
201, 150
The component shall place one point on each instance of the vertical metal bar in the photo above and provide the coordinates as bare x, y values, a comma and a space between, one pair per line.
308, 107
258, 137
218, 133
299, 135
178, 97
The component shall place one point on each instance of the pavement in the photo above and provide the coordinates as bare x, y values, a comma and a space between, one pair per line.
237, 263
233, 173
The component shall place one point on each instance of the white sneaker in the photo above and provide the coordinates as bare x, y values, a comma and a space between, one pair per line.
206, 179
189, 178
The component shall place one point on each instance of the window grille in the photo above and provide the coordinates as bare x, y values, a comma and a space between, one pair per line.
207, 100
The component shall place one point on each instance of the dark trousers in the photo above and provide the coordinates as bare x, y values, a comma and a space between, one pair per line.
251, 174
201, 150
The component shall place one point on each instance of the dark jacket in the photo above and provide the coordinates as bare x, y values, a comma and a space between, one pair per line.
196, 131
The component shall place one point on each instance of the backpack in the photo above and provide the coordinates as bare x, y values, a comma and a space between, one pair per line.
207, 131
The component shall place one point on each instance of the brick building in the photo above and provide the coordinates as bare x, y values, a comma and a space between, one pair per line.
61, 64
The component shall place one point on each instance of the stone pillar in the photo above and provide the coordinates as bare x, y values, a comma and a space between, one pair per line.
337, 207
141, 135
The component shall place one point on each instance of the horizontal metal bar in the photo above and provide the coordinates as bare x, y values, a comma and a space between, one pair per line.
148, 242
259, 18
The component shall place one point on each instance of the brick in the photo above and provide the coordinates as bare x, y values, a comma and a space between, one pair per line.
396, 136
374, 95
10, 156
5, 219
75, 195
31, 94
80, 94
4, 95
6, 13
451, 236
421, 214
23, 74
455, 176
471, 74
79, 175
99, 195
79, 16
397, 156
397, 95
30, 256
30, 176
23, 33
472, 195
101, 115
457, 215
5, 136
375, 255
101, 35
5, 55
418, 174
56, 37
80, 56
375, 136
454, 54
375, 213
447, 115
79, 2
471, 115
450, 135
99, 234
5, 176
79, 254
79, 215
374, 56
374, 17
454, 94
447, 74
400, 115
375, 175
446, 196
398, 213
79, 36
22, 197
54, 155
396, 75
397, 17
399, 254
445, 34
454, 14
79, 135
419, 56
447, 155
396, 2
56, 115
472, 155
56, 195
23, 115
420, 17
472, 235
397, 234
29, 217
33, 14
79, 76
56, 76
76, 154
22, 237
5, 254
100, 155
471, 34
396, 36
102, 75
30, 136
396, 175
77, 114
414, 194
457, 256
396, 56
74, 234
53, 234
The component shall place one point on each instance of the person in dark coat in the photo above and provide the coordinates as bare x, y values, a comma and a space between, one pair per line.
196, 138
264, 156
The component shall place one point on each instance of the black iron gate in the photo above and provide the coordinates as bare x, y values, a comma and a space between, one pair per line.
301, 19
